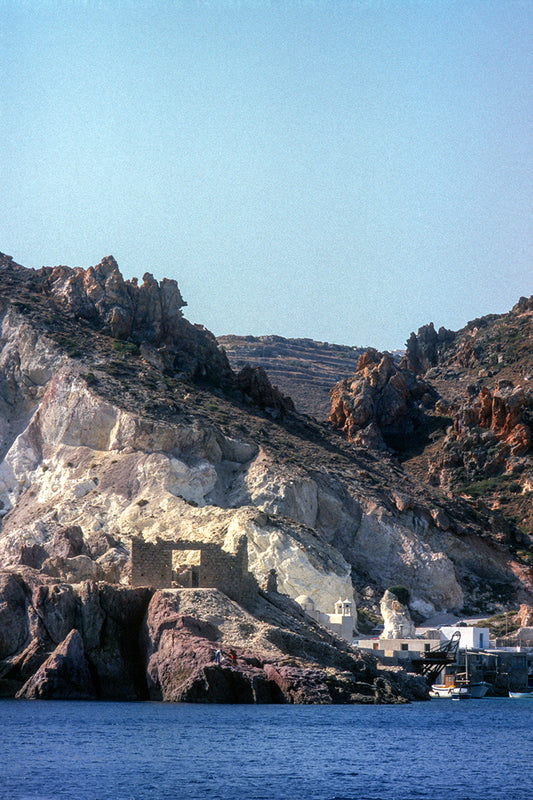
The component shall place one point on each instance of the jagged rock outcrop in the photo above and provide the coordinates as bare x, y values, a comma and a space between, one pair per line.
40, 614
423, 349
524, 304
64, 675
489, 437
254, 384
382, 404
396, 617
148, 314
500, 411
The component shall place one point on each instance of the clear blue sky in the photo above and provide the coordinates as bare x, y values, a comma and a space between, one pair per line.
345, 171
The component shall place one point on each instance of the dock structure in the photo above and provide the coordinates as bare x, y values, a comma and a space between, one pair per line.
431, 664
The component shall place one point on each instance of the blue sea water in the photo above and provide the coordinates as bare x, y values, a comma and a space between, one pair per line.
443, 750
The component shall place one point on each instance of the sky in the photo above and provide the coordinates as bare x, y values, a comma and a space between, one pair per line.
342, 170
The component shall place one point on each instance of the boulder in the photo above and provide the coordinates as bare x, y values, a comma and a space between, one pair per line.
72, 570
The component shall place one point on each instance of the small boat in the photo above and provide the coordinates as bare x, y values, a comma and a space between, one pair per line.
479, 689
455, 692
475, 689
460, 693
439, 690
521, 695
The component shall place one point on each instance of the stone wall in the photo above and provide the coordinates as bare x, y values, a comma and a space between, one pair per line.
151, 565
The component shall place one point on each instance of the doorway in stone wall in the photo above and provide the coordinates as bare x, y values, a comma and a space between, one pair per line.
186, 568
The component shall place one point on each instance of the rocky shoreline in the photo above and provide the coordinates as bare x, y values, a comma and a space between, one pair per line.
98, 641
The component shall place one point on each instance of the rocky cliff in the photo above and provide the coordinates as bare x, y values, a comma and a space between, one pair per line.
482, 424
120, 418
98, 641
457, 411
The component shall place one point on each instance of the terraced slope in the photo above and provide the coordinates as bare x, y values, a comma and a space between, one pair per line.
301, 368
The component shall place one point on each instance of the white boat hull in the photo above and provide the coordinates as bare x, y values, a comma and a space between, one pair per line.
438, 691
475, 690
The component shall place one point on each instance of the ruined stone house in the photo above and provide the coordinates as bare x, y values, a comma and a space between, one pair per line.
152, 565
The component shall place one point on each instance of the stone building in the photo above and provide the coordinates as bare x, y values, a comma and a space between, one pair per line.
152, 565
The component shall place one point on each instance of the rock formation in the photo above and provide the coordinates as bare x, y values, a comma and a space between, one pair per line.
254, 384
382, 404
490, 435
93, 641
103, 438
64, 675
396, 617
423, 349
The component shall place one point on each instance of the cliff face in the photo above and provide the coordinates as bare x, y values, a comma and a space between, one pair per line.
119, 418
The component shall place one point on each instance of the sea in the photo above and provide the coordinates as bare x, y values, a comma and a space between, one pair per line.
439, 750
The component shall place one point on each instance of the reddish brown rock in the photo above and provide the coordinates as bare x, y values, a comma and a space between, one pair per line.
64, 675
382, 404
181, 651
500, 411
519, 440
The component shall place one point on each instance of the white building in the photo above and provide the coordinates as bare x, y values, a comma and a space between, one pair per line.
342, 622
471, 638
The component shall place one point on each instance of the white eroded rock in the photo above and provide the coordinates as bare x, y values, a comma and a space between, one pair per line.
278, 490
303, 564
396, 618
386, 548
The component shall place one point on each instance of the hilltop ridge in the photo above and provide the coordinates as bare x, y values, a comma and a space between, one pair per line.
119, 418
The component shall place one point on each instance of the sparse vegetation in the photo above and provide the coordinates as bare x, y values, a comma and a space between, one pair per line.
401, 593
126, 348
500, 624
482, 487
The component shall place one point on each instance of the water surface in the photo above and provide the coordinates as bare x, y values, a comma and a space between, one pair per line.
471, 750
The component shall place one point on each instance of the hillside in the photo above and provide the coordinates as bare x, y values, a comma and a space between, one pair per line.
481, 445
120, 419
459, 437
303, 369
